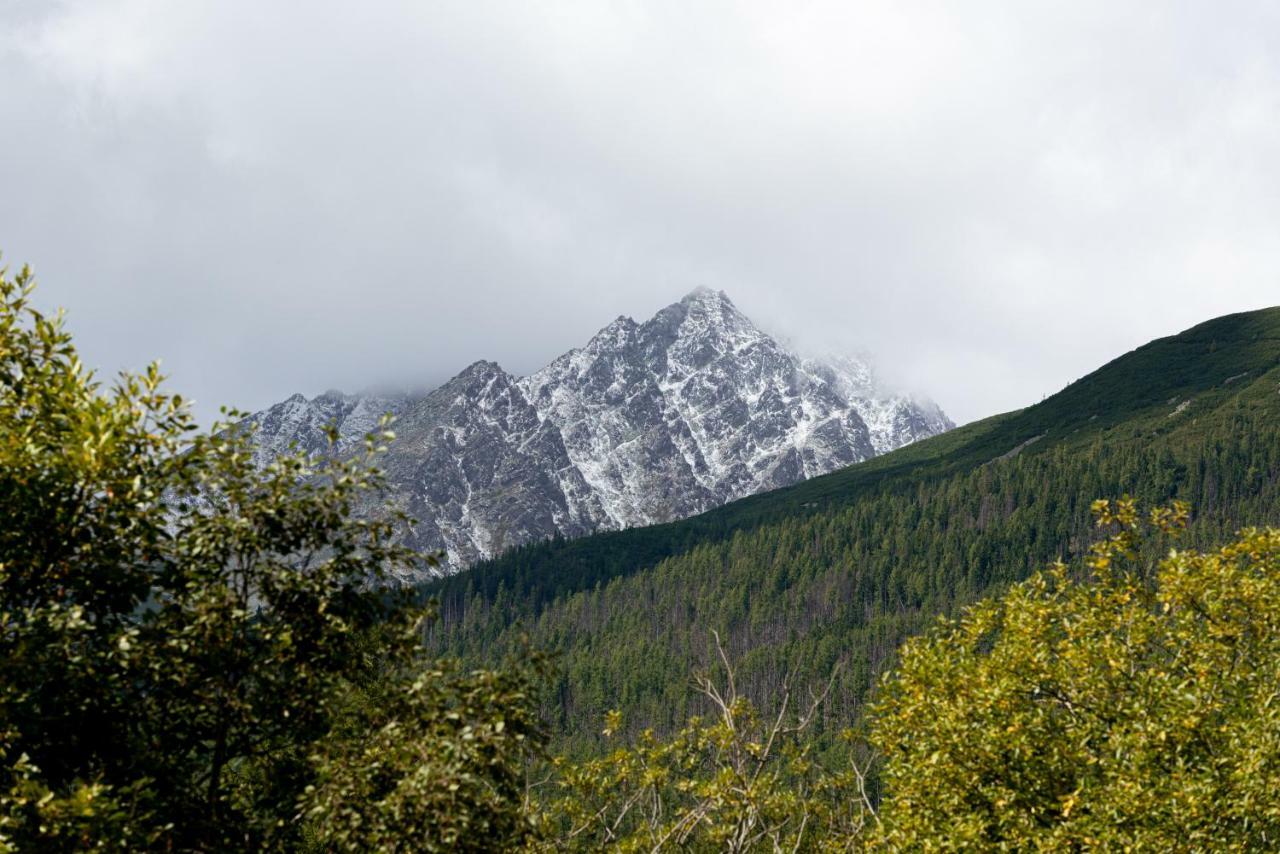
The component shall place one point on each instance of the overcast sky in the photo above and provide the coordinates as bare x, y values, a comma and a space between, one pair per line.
993, 198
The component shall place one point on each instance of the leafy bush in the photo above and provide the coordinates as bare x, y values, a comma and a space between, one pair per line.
1117, 711
734, 781
189, 645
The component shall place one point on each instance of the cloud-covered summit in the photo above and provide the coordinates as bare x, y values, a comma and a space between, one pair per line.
991, 196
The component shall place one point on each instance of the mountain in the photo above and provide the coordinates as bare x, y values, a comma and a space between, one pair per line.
831, 574
646, 423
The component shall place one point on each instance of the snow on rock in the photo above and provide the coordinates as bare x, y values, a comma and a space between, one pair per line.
646, 423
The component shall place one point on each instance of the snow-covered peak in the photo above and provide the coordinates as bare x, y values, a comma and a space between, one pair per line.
644, 423
688, 335
704, 313
480, 370
708, 299
300, 424
617, 335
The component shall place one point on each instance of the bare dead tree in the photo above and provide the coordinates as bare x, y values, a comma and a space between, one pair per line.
740, 780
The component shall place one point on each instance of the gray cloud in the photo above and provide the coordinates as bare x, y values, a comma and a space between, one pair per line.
994, 198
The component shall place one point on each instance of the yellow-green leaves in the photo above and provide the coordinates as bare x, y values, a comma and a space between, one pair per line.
733, 781
1098, 712
192, 649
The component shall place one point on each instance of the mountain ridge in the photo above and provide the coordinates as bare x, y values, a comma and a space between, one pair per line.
1191, 363
646, 422
829, 575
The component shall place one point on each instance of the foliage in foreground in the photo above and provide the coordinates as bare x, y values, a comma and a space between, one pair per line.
1113, 711
737, 781
195, 654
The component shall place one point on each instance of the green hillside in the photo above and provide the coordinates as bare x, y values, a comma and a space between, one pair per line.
839, 569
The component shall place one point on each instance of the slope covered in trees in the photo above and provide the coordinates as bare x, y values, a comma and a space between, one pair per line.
836, 572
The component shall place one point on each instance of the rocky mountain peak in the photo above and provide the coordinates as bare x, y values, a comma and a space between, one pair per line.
645, 423
709, 299
617, 335
481, 369
479, 378
704, 312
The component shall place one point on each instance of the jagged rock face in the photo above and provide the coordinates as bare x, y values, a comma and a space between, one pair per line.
646, 423
303, 423
893, 419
